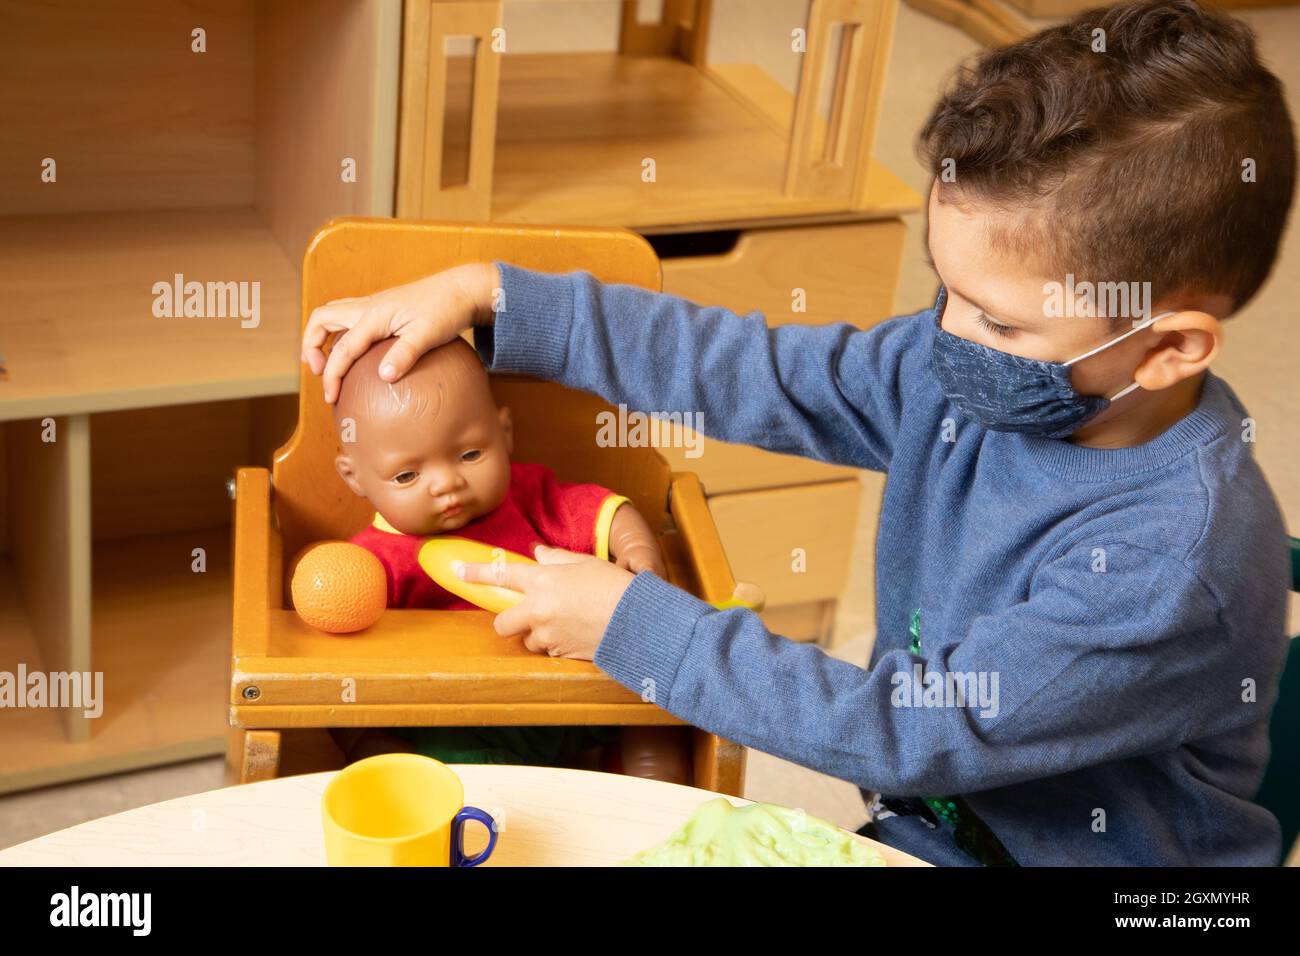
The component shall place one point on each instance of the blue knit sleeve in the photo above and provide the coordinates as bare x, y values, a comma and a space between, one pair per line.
830, 392
1091, 667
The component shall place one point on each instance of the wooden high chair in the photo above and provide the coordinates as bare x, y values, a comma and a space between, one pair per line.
440, 668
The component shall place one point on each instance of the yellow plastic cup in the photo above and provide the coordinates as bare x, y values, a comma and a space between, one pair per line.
399, 810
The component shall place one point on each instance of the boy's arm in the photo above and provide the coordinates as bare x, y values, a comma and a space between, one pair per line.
1091, 668
831, 392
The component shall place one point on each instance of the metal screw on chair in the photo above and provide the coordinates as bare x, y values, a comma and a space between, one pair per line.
230, 488
251, 693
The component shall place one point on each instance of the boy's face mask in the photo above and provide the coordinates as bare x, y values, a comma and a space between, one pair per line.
1009, 393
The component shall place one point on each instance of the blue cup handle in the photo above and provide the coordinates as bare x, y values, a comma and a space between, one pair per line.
458, 857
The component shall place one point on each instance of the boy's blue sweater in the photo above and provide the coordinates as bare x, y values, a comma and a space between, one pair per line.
1131, 602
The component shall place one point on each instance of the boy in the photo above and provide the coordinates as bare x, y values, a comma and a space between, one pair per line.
1074, 530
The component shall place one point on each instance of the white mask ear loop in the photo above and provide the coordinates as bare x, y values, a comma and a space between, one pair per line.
1124, 391
1144, 324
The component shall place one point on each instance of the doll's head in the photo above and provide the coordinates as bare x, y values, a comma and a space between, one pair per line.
431, 451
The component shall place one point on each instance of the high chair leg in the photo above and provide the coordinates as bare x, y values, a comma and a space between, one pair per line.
654, 753
719, 764
252, 755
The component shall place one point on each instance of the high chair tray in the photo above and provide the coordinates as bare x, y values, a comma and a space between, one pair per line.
427, 667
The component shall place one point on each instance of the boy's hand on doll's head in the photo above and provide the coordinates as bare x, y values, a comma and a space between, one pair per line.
421, 315
568, 600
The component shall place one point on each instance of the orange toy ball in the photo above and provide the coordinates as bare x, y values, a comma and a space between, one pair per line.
338, 587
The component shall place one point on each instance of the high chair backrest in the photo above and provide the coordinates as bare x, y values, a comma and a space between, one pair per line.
553, 425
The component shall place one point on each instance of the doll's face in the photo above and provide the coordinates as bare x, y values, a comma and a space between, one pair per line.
431, 452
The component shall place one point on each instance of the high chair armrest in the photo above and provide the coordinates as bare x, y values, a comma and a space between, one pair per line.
257, 566
708, 559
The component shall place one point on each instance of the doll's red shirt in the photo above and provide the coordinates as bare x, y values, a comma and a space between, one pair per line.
538, 508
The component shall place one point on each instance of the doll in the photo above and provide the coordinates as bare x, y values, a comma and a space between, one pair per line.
431, 452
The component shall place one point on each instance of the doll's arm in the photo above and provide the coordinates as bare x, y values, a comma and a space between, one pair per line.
632, 544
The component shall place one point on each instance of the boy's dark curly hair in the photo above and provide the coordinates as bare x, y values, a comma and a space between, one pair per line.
1139, 142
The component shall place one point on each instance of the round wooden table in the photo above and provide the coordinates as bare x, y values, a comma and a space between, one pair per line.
547, 817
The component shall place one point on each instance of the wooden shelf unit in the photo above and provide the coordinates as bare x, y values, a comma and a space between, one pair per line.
564, 136
557, 164
125, 596
131, 157
162, 689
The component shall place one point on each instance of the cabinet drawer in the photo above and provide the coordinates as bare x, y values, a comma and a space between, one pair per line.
794, 543
847, 273
724, 468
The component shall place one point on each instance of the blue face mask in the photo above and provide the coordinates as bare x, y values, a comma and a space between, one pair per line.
1008, 393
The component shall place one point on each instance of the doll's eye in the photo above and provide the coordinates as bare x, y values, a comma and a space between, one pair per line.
986, 323
405, 477
473, 454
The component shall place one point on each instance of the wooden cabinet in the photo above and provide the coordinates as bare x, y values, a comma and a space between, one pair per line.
795, 540
788, 523
806, 274
795, 543
813, 275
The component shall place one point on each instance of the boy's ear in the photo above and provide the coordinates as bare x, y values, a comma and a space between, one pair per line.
347, 471
1189, 342
507, 428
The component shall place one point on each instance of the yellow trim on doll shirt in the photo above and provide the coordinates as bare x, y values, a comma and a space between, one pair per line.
605, 522
382, 524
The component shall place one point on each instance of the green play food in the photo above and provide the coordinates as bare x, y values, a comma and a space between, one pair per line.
761, 834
